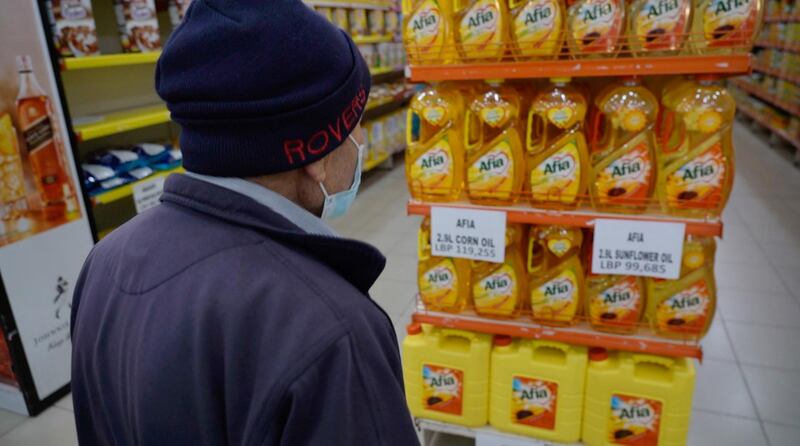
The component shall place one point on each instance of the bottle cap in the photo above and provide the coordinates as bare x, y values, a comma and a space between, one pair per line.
414, 328
598, 354
502, 340
494, 81
560, 79
706, 77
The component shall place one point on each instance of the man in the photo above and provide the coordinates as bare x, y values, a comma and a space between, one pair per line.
231, 314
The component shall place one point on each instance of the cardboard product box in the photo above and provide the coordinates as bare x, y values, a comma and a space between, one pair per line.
138, 25
74, 30
177, 10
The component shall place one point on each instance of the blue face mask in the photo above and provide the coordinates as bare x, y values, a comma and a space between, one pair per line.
339, 203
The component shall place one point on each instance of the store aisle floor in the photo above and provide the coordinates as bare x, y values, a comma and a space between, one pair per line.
748, 388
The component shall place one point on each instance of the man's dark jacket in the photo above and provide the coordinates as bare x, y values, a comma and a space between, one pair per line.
212, 320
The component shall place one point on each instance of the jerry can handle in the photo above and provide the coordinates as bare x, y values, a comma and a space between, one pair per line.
467, 124
451, 333
530, 256
423, 244
594, 138
666, 363
409, 126
529, 146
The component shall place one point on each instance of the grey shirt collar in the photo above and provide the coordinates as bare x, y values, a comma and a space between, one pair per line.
305, 220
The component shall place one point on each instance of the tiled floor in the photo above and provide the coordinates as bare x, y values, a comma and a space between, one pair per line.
748, 388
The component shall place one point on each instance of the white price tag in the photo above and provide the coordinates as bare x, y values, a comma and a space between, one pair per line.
638, 248
469, 234
483, 438
146, 193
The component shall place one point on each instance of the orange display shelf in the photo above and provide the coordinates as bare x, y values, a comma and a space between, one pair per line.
579, 334
584, 219
778, 45
782, 18
777, 73
727, 64
762, 93
759, 118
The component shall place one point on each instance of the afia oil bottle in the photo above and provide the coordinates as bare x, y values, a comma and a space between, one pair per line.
684, 308
595, 28
555, 274
614, 303
726, 26
537, 388
637, 400
480, 28
426, 31
434, 136
444, 282
556, 149
495, 159
671, 133
499, 289
658, 26
536, 28
623, 155
446, 374
698, 181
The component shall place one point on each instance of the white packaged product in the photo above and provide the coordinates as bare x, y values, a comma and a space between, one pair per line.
138, 25
74, 30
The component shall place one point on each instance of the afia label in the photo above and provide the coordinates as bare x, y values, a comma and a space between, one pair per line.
596, 25
685, 311
425, 26
661, 23
557, 299
493, 172
438, 285
537, 22
698, 182
442, 389
729, 21
619, 304
533, 402
557, 177
626, 177
433, 169
634, 421
480, 26
496, 293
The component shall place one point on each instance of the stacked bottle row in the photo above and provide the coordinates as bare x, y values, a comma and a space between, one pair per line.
445, 31
545, 389
629, 152
546, 276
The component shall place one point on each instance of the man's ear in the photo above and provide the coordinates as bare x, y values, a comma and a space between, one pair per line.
316, 170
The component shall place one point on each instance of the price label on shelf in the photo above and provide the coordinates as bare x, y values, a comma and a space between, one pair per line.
468, 233
638, 248
146, 193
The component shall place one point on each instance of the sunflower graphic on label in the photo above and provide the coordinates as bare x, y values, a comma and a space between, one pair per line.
492, 174
661, 24
685, 311
698, 182
619, 304
634, 421
480, 28
442, 389
534, 402
438, 285
729, 22
627, 177
432, 171
556, 300
496, 294
557, 177
425, 27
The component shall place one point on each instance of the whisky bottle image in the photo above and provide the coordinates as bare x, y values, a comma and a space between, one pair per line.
13, 203
44, 146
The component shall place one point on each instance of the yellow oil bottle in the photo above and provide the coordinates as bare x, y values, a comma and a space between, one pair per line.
684, 308
637, 400
555, 272
537, 388
426, 30
671, 132
726, 26
536, 28
595, 28
615, 304
556, 149
444, 282
499, 289
623, 160
446, 374
435, 151
698, 181
480, 29
495, 158
658, 26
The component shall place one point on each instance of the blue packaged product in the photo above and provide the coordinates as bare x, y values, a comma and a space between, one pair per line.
173, 160
152, 153
121, 160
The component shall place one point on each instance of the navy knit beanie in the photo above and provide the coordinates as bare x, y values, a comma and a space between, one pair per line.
260, 86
